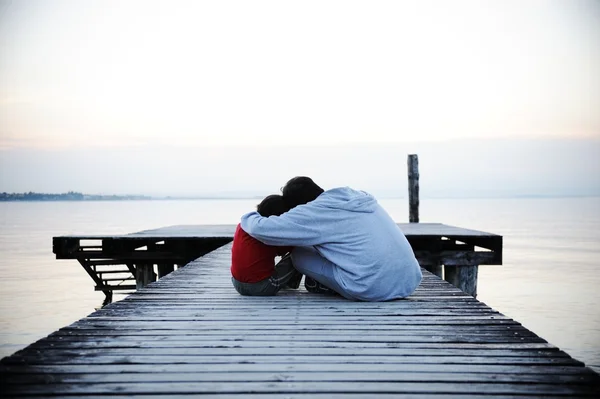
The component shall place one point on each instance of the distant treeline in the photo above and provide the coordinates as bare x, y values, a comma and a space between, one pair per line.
70, 196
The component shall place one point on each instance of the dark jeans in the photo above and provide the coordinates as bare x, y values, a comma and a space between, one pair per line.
318, 271
284, 273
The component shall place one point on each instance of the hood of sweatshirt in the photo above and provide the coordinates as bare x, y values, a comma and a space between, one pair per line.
348, 199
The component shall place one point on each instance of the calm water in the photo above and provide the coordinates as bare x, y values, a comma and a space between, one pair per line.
549, 281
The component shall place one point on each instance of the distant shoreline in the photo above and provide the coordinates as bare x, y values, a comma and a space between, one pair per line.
106, 198
70, 196
75, 196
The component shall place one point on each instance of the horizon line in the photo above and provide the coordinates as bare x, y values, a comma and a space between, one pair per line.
146, 197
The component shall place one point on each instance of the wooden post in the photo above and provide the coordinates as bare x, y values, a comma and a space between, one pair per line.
413, 188
144, 275
413, 203
462, 277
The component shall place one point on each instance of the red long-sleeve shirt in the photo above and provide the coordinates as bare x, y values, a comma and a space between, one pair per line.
251, 260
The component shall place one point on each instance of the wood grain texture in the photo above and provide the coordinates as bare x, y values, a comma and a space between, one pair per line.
190, 333
413, 188
462, 277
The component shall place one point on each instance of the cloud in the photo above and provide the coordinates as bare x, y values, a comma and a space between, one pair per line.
280, 73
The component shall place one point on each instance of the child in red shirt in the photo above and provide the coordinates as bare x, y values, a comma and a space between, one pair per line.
253, 268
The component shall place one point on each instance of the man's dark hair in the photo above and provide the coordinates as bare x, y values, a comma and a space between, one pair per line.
272, 205
300, 190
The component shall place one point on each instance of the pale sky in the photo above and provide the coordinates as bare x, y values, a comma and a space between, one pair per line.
130, 77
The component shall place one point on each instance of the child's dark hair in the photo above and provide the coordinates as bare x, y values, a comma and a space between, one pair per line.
272, 205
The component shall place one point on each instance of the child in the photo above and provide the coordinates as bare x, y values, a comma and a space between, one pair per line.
253, 268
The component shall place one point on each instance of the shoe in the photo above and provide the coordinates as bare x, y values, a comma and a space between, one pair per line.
294, 282
314, 286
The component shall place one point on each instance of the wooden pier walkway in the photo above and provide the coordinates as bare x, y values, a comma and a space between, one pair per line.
190, 333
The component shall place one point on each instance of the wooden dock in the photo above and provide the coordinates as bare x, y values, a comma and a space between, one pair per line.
128, 261
190, 333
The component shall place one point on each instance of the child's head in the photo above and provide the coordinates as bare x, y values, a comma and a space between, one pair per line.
272, 205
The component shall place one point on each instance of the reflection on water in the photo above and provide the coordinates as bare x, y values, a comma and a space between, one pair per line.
548, 281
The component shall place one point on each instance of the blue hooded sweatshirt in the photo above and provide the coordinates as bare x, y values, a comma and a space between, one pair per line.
349, 228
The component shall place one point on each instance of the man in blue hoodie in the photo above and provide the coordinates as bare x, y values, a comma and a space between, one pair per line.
344, 240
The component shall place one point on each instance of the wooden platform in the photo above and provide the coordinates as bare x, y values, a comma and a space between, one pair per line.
115, 261
190, 333
432, 242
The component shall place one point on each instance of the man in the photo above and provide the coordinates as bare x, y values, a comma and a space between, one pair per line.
344, 240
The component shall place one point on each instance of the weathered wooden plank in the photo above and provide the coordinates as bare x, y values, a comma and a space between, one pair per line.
319, 396
297, 342
193, 314
51, 352
465, 369
78, 357
403, 331
202, 292
409, 329
318, 314
305, 306
325, 335
320, 335
201, 324
240, 303
287, 318
278, 386
303, 376
313, 341
203, 296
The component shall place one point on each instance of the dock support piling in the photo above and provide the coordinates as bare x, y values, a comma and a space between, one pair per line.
462, 277
144, 275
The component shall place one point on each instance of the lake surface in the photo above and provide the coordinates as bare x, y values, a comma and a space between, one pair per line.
549, 281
